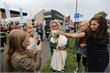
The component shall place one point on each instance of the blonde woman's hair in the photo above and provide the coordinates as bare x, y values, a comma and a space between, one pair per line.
85, 22
15, 39
13, 44
55, 21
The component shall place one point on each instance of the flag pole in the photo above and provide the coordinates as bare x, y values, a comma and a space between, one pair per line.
76, 13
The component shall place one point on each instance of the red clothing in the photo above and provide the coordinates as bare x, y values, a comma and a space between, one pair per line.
81, 40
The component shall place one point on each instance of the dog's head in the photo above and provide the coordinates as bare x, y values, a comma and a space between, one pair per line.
55, 33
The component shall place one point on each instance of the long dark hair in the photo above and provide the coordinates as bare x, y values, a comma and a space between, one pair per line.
102, 35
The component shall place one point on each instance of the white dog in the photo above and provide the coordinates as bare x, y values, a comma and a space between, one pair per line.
60, 39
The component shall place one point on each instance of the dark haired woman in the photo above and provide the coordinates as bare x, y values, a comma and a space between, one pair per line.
97, 40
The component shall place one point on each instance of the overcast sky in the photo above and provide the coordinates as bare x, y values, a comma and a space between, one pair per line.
67, 7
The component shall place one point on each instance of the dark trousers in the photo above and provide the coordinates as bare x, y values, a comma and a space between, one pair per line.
51, 51
84, 59
47, 35
3, 40
41, 35
97, 64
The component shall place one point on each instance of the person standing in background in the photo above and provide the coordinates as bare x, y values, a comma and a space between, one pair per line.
39, 30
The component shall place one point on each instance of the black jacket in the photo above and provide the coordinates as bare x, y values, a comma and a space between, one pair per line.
97, 46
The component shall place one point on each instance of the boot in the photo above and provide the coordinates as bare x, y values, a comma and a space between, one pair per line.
77, 67
85, 68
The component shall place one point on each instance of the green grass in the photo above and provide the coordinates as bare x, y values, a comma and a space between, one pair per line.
70, 65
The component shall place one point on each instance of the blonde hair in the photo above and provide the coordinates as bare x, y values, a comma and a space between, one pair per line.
15, 39
14, 44
85, 22
55, 21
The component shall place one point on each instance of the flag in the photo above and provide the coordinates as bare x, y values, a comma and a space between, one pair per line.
0, 16
30, 15
30, 23
21, 13
7, 10
76, 15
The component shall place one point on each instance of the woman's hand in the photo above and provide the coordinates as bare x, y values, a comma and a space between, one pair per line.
82, 45
36, 37
60, 33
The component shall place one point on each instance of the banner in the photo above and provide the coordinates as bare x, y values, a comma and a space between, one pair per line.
7, 10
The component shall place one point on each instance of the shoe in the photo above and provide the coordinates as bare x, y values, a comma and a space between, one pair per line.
63, 70
84, 69
77, 68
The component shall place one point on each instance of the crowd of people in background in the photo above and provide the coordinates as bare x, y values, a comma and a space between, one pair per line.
23, 47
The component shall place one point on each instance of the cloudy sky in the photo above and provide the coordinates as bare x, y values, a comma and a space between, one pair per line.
67, 7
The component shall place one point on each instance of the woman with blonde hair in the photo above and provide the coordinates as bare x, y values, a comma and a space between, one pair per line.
81, 50
19, 58
58, 48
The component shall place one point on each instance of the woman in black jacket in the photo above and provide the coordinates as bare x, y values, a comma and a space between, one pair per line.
96, 39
